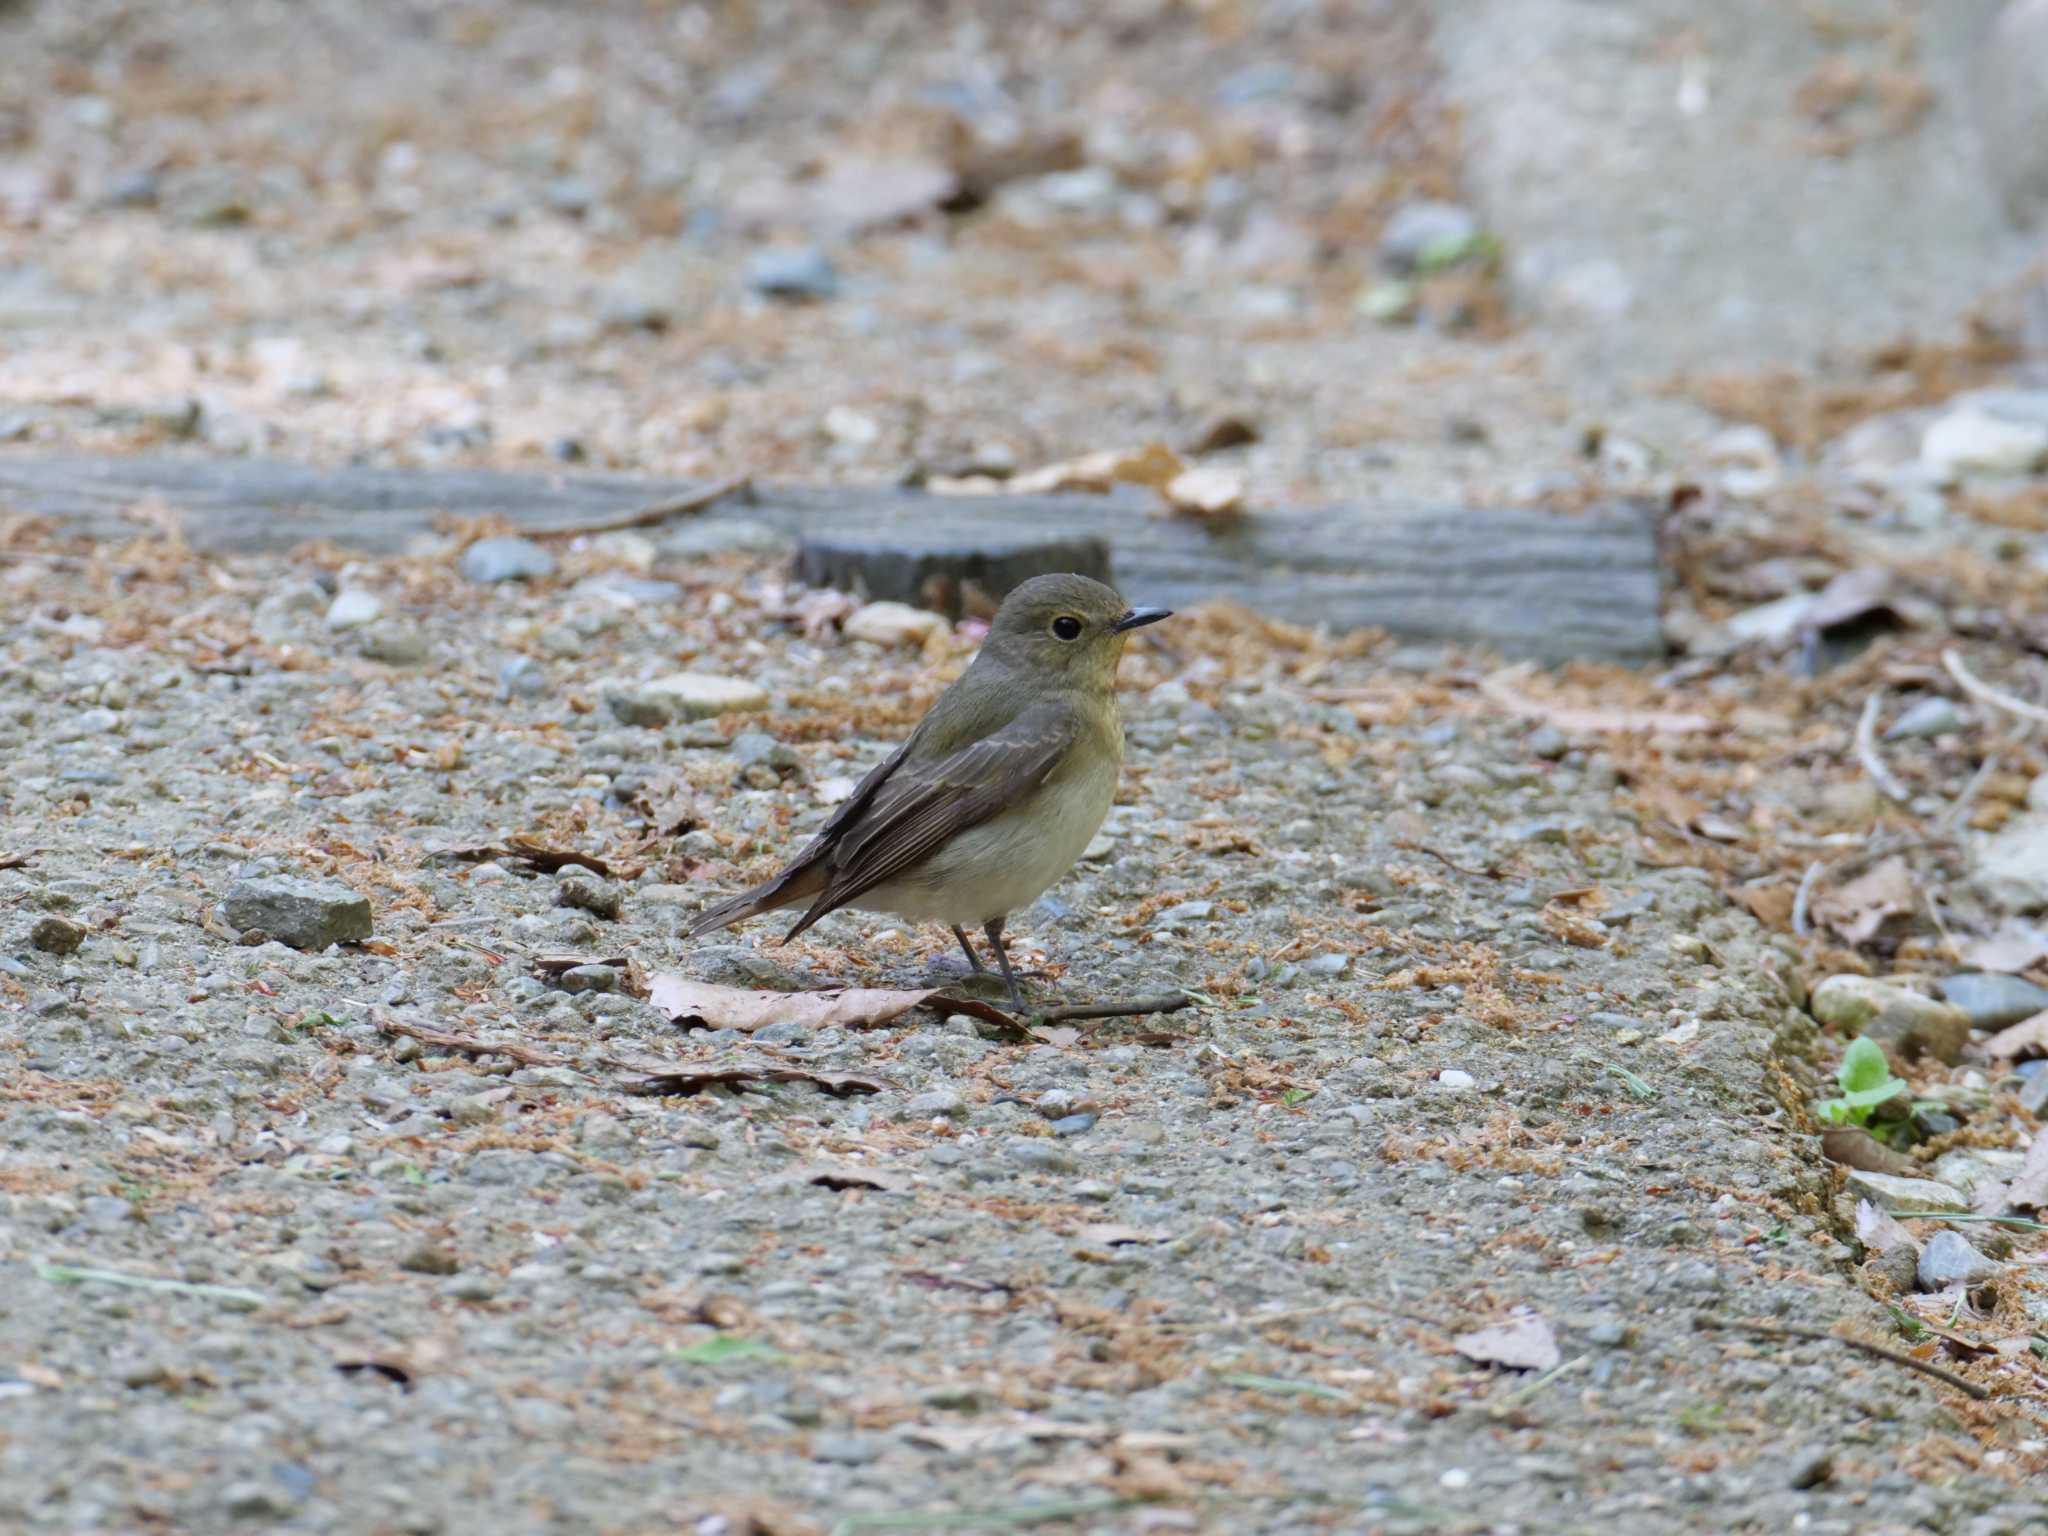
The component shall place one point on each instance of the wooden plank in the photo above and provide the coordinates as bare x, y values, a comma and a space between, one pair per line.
1526, 582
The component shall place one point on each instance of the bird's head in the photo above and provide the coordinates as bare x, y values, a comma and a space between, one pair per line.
1067, 627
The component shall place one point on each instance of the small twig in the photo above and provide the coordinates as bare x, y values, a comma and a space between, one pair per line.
1997, 698
1934, 911
1521, 1395
525, 1055
1867, 754
1948, 819
1171, 1002
1822, 1336
1491, 872
1804, 896
654, 512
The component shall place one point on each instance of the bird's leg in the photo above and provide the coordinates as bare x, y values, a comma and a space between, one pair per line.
973, 960
994, 929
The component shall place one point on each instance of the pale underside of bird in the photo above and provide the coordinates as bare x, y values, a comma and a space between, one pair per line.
994, 795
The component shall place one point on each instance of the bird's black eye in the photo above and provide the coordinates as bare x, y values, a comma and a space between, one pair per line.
1067, 627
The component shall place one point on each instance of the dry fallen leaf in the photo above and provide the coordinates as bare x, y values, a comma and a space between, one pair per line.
1857, 911
1854, 1147
1500, 688
2028, 1190
2013, 948
701, 1005
2027, 1037
1153, 466
1523, 1343
1877, 1231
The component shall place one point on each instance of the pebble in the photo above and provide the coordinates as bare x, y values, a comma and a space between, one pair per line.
507, 558
758, 750
396, 645
522, 677
56, 935
1039, 1156
306, 914
1074, 1125
353, 609
846, 1450
1972, 441
792, 273
471, 1287
1184, 912
940, 1103
1896, 1017
1454, 1081
589, 978
684, 696
1327, 964
1993, 1001
429, 1258
1948, 1259
894, 624
593, 896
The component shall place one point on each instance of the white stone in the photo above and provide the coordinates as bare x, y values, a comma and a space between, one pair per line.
1903, 1196
894, 624
685, 696
1972, 442
353, 609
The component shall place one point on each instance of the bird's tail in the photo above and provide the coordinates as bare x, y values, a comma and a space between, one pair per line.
792, 885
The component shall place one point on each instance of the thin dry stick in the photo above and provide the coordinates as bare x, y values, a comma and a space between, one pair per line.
1804, 896
1171, 1002
1866, 753
1946, 822
525, 1055
1997, 698
1521, 1395
1822, 1336
654, 512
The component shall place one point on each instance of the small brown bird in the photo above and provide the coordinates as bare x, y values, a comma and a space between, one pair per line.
996, 792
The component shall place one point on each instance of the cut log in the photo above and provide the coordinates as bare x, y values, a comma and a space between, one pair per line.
1525, 582
958, 575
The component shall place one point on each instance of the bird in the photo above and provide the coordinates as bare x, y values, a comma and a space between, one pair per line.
995, 792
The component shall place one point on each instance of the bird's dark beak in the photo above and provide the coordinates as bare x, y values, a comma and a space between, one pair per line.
1137, 618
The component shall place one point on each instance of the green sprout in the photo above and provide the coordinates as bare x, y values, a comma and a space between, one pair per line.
1866, 1081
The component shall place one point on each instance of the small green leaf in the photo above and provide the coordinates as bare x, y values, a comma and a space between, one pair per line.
1294, 1095
722, 1348
1864, 1070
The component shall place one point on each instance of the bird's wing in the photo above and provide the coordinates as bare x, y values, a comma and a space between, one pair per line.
919, 806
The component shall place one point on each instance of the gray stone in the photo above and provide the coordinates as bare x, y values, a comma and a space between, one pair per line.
940, 1102
846, 1450
507, 558
1906, 1023
1039, 1156
1182, 913
792, 273
1331, 964
306, 914
428, 1257
757, 749
592, 896
1993, 1001
1948, 1259
590, 978
1075, 1125
394, 644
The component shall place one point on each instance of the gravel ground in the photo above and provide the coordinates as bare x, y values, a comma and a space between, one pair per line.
1194, 1272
